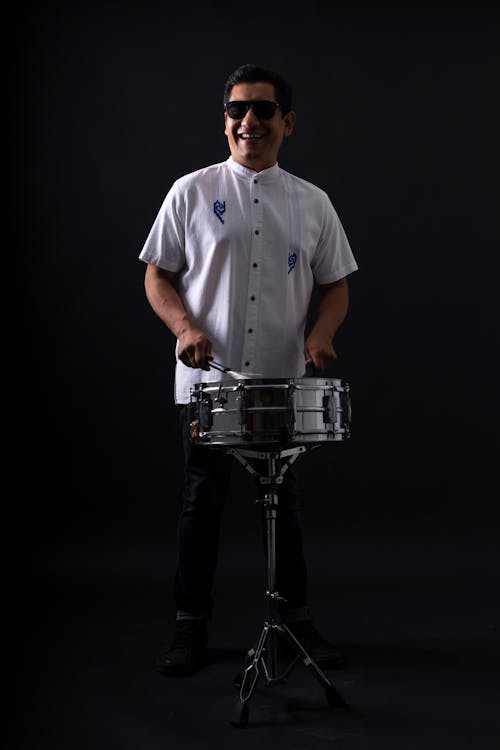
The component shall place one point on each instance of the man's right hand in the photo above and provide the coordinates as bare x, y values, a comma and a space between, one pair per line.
194, 348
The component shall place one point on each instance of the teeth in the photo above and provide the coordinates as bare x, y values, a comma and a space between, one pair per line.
249, 135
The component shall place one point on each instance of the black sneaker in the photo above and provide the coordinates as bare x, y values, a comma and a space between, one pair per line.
323, 653
188, 651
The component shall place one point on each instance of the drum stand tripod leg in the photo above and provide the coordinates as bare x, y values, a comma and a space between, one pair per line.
332, 695
265, 654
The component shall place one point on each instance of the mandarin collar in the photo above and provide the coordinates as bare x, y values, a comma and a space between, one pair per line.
265, 176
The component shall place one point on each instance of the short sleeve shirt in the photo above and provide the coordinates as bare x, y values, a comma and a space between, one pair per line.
247, 248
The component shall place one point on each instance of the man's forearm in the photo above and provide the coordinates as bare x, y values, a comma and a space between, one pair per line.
165, 301
332, 308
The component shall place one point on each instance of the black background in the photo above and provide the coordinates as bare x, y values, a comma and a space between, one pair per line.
397, 119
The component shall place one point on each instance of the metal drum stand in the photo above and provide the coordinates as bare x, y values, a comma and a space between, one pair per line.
262, 660
275, 422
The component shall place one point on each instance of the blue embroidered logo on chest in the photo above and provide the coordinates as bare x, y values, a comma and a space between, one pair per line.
292, 260
219, 209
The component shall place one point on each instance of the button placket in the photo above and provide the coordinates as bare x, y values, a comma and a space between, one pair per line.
251, 320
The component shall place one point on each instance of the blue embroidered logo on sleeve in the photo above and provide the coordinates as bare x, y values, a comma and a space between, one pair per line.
219, 209
292, 260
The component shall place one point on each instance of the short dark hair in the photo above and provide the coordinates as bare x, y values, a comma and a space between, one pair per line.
255, 74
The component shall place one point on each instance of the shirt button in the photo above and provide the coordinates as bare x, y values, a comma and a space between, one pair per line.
247, 364
252, 298
254, 265
255, 182
256, 231
255, 200
250, 330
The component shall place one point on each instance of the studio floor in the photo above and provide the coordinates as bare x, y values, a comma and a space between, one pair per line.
416, 617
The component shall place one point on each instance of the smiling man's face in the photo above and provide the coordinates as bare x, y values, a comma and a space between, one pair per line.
255, 143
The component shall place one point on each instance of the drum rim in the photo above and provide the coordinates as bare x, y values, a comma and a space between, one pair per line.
310, 382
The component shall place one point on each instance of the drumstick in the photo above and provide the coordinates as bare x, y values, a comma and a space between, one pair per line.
229, 371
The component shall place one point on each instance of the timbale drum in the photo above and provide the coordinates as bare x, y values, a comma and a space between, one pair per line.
272, 412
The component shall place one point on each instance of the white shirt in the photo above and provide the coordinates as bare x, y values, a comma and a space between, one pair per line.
248, 247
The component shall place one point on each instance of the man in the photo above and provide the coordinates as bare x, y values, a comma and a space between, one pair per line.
232, 259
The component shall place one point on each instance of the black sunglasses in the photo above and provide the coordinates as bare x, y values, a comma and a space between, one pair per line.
262, 109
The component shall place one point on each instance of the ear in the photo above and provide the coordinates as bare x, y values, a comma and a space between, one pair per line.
289, 120
225, 123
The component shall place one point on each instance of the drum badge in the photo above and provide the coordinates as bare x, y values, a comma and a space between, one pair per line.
292, 260
219, 209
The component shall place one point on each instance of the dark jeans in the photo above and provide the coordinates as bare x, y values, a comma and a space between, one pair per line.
207, 476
